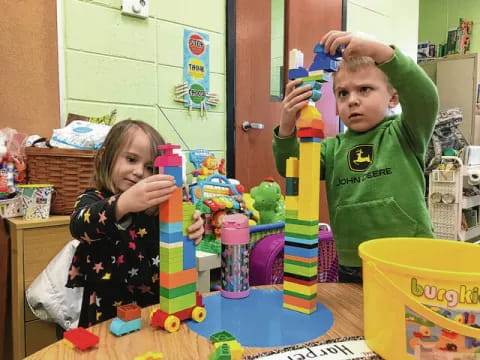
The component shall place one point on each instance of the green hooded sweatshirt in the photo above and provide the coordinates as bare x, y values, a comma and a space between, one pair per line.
375, 180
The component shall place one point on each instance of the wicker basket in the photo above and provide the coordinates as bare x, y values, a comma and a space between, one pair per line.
70, 171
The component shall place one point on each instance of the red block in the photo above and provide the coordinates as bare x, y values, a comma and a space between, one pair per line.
310, 132
81, 338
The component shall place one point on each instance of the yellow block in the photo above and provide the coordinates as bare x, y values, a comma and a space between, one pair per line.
309, 181
235, 348
291, 202
292, 167
301, 289
299, 309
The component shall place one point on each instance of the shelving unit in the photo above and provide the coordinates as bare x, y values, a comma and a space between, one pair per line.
447, 204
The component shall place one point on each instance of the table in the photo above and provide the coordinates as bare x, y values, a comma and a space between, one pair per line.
344, 300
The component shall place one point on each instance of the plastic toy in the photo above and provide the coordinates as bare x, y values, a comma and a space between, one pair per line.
268, 201
179, 299
129, 319
150, 356
319, 72
235, 259
227, 347
303, 192
80, 338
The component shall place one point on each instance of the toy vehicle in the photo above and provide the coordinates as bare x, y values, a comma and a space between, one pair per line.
80, 338
171, 322
120, 327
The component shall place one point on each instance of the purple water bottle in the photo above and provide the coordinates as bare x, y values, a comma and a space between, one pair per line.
235, 242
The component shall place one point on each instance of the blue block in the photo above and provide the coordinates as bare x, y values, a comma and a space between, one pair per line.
171, 227
310, 139
302, 252
316, 95
176, 172
189, 257
320, 49
297, 73
118, 327
301, 241
171, 237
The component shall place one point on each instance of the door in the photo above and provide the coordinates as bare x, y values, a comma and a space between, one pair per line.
307, 21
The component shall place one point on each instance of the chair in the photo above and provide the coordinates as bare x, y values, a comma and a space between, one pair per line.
266, 259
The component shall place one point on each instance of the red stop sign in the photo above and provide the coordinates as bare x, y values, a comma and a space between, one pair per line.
196, 44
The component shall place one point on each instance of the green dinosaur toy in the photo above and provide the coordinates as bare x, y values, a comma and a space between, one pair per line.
268, 201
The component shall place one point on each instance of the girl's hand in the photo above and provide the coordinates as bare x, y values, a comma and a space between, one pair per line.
355, 46
196, 229
148, 192
295, 99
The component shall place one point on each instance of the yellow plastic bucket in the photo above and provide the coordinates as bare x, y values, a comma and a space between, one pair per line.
421, 298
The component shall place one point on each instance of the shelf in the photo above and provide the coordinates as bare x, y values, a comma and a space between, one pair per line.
470, 233
470, 201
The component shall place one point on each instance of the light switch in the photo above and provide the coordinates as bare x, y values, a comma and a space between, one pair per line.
138, 8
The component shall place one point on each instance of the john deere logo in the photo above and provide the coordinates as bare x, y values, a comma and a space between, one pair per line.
360, 157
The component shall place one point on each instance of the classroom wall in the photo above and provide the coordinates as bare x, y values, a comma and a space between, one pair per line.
438, 16
114, 61
390, 21
29, 100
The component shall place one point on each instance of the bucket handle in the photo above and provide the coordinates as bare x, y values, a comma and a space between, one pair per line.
423, 310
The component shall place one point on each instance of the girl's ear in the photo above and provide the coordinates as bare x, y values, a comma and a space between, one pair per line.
393, 100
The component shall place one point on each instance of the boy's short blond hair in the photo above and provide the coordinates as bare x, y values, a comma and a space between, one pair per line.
356, 63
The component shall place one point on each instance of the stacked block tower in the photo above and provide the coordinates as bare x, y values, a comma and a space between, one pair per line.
179, 299
303, 189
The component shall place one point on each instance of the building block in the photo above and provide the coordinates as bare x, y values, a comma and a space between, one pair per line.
129, 312
171, 227
189, 254
221, 336
150, 356
221, 353
80, 338
292, 167
291, 186
183, 302
178, 279
310, 133
176, 172
118, 327
235, 348
178, 291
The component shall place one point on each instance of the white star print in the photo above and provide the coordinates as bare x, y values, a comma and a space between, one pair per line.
156, 260
133, 272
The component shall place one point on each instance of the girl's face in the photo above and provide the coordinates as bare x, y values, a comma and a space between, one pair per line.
133, 163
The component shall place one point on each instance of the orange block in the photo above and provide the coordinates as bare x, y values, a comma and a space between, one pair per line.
302, 259
306, 304
129, 312
174, 280
172, 210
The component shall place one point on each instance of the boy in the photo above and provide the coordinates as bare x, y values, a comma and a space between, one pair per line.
374, 171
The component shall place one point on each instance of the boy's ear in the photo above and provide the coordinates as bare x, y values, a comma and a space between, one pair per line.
393, 100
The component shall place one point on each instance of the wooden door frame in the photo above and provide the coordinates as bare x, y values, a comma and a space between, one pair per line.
230, 75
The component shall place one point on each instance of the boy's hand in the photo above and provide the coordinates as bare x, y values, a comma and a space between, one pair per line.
196, 229
295, 99
356, 46
148, 192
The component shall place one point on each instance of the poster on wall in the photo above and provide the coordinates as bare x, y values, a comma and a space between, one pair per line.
196, 68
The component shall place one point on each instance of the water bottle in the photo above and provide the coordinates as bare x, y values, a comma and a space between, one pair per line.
235, 237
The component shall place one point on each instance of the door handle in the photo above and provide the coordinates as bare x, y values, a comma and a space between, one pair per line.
246, 125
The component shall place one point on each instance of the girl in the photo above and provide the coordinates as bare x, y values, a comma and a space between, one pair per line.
117, 260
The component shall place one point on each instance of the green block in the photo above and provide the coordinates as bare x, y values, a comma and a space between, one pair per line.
300, 263
171, 259
298, 295
178, 291
188, 211
177, 304
300, 270
308, 230
211, 246
221, 353
221, 336
301, 236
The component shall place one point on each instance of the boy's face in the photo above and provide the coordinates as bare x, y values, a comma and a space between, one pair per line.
133, 162
363, 97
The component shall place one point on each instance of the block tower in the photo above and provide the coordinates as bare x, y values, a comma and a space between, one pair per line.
303, 189
179, 299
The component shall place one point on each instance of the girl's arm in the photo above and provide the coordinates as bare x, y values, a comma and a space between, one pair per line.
94, 218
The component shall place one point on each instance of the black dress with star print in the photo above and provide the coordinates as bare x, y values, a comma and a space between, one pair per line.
116, 262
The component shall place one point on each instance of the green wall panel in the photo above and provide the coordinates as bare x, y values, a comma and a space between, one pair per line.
144, 113
104, 30
109, 79
207, 15
197, 132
